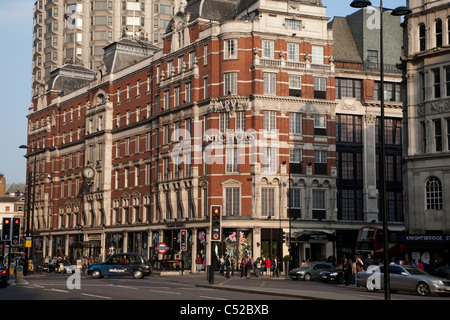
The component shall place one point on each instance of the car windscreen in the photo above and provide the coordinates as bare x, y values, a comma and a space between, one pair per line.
415, 271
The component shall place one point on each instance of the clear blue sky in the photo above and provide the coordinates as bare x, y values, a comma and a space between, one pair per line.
16, 38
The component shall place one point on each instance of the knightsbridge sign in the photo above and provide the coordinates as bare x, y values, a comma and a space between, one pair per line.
427, 237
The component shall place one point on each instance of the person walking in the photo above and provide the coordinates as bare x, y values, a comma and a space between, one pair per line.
368, 262
268, 266
198, 263
222, 265
228, 266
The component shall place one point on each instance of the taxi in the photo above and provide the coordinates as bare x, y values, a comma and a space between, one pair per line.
122, 264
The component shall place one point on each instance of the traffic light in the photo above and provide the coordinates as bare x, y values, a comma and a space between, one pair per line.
6, 229
216, 223
183, 240
15, 237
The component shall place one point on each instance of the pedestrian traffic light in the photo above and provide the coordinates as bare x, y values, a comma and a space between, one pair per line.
216, 221
6, 229
183, 240
15, 236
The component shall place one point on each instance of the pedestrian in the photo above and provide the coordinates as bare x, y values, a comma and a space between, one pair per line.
421, 265
222, 265
198, 263
354, 272
243, 263
268, 266
228, 266
258, 267
346, 271
368, 262
276, 268
249, 267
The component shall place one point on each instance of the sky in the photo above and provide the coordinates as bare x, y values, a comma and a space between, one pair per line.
16, 39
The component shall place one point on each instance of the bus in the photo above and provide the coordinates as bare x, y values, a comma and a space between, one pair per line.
371, 240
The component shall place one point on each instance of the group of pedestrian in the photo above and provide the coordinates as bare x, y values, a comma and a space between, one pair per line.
350, 267
250, 267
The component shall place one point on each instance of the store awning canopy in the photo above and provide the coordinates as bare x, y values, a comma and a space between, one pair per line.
312, 236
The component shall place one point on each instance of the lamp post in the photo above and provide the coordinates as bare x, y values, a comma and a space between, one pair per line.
400, 11
31, 183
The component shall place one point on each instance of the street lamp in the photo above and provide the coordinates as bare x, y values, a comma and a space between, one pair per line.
399, 11
31, 183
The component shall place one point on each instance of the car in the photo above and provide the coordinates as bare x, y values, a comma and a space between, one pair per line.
442, 272
310, 271
3, 276
334, 275
403, 278
68, 267
122, 264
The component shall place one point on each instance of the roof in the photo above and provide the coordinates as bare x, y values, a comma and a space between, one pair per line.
344, 45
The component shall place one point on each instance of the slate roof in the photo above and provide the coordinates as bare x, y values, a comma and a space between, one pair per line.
344, 46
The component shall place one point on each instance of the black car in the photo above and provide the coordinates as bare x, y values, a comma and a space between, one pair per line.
122, 264
3, 276
442, 272
336, 275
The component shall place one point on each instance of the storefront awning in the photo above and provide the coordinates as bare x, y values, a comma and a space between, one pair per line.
312, 236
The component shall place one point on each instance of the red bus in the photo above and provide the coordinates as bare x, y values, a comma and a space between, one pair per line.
371, 240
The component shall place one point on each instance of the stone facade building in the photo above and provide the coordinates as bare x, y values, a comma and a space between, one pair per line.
427, 128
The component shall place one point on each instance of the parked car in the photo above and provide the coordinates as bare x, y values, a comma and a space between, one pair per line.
122, 264
336, 275
3, 276
403, 278
68, 267
311, 271
442, 272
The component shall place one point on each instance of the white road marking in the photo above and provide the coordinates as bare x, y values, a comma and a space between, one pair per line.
57, 290
214, 298
165, 292
95, 296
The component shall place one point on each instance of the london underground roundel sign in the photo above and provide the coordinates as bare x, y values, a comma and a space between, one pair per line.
162, 248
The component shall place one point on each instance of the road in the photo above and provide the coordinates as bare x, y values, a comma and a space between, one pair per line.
192, 294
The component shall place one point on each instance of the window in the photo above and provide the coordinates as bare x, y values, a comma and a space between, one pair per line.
268, 50
291, 24
438, 32
230, 83
188, 92
447, 81
295, 85
295, 198
422, 86
424, 136
317, 55
448, 134
270, 159
270, 83
348, 128
293, 51
320, 162
230, 49
232, 201
433, 191
320, 124
437, 134
232, 159
240, 121
436, 83
320, 88
348, 88
269, 121
224, 121
205, 87
392, 91
318, 204
372, 59
295, 122
267, 202
422, 37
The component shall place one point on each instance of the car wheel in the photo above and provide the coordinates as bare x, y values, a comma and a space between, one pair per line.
96, 274
423, 289
307, 277
138, 274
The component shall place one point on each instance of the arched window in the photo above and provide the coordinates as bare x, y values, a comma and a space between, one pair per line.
438, 32
433, 192
422, 36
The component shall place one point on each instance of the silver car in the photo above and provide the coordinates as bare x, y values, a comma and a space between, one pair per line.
403, 278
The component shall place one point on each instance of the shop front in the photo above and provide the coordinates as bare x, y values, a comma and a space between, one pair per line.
311, 245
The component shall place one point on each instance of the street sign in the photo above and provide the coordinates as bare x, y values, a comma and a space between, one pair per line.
162, 248
28, 242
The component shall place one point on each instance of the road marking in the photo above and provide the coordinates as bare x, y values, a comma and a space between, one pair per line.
57, 290
95, 296
214, 298
165, 292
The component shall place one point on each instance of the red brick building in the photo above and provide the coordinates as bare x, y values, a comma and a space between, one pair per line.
237, 110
